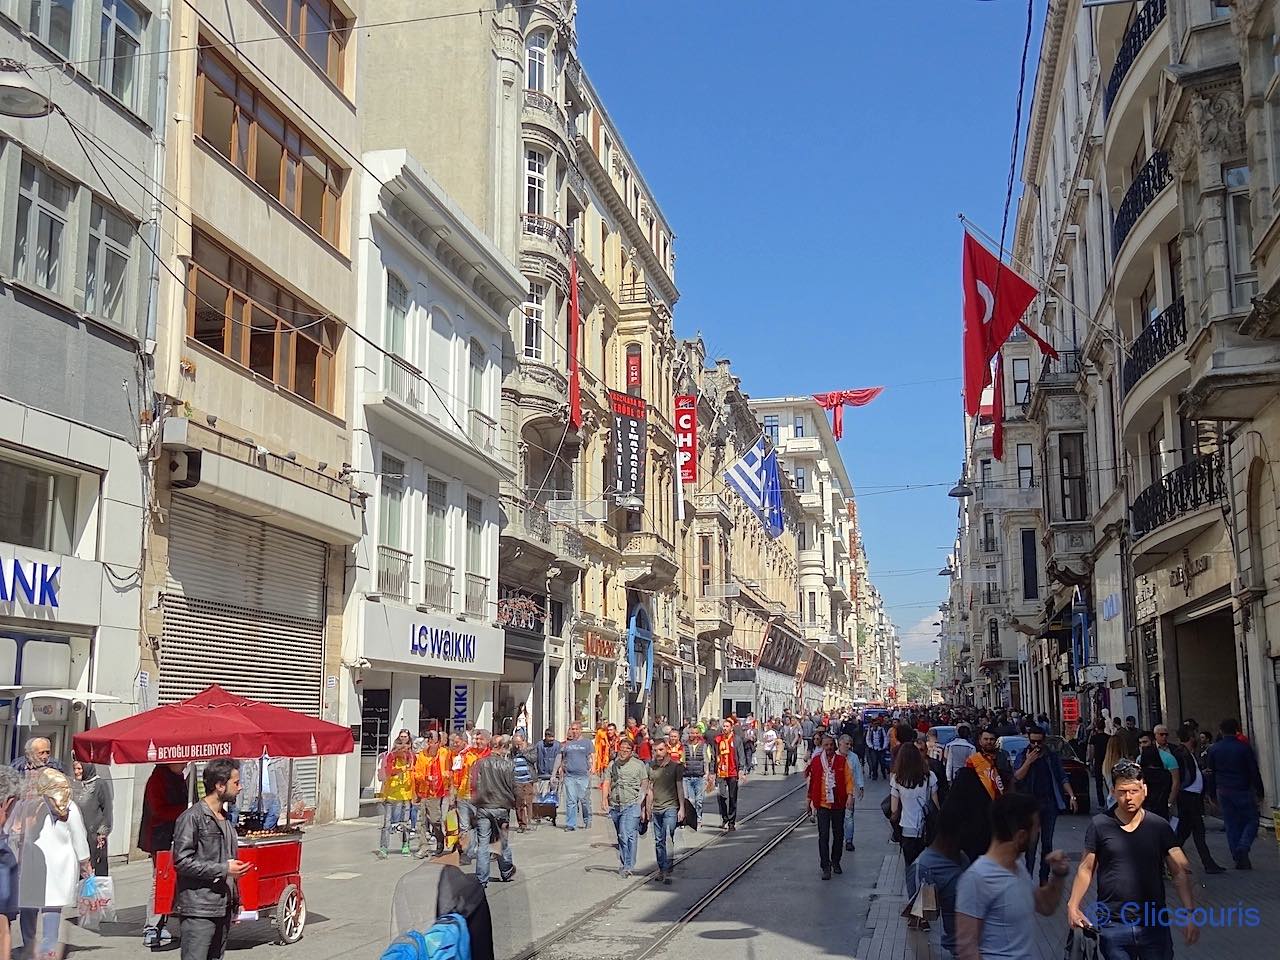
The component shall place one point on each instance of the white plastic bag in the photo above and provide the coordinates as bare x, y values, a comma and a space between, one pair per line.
96, 902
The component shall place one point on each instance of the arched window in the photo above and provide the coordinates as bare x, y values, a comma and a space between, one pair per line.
535, 58
396, 315
475, 380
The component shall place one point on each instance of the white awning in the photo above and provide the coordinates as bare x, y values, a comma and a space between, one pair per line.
75, 696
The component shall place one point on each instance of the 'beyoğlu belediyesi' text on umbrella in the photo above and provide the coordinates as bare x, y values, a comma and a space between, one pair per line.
444, 645
183, 752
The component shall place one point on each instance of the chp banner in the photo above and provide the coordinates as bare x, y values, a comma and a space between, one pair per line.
687, 437
629, 443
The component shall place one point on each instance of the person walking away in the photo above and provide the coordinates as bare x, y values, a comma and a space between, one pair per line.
829, 798
995, 899
626, 778
493, 795
462, 764
397, 793
204, 858
1128, 848
912, 788
807, 729
525, 760
432, 774
53, 856
1114, 754
955, 753
791, 736
844, 747
770, 741
877, 747
941, 864
969, 795
662, 798
1156, 775
1190, 805
1130, 735
93, 795
606, 747
164, 798
1239, 783
858, 736
1038, 772
699, 770
933, 758
1096, 754
731, 763
11, 787
573, 768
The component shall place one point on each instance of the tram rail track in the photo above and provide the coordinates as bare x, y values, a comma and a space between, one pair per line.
540, 947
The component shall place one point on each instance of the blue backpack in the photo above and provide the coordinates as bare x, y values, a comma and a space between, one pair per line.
447, 939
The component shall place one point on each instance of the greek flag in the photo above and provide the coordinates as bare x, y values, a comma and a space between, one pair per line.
755, 478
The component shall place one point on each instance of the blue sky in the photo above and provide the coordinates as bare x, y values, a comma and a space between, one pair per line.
812, 157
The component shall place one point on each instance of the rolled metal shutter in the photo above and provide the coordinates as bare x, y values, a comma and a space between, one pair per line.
244, 608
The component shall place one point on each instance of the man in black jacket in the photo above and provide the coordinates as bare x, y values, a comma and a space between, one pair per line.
493, 791
204, 858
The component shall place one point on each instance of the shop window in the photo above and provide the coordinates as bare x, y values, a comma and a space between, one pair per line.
37, 506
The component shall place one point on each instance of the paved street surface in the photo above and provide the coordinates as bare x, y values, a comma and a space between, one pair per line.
568, 900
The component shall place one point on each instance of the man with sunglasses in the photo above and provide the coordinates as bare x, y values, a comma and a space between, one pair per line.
1038, 772
1128, 847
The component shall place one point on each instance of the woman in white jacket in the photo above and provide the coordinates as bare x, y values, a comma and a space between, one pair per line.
54, 858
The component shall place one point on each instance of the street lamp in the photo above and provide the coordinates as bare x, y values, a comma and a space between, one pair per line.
19, 95
961, 490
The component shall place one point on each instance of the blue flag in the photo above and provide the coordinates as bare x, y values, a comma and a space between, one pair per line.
755, 478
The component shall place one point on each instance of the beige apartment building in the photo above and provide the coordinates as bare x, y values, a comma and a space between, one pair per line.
256, 508
1147, 209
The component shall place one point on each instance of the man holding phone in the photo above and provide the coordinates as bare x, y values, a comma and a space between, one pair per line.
204, 857
1038, 772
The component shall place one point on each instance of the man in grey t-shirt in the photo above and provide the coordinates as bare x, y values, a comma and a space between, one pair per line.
996, 898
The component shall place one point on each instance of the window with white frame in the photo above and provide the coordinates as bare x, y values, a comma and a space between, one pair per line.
535, 183
37, 506
397, 315
475, 535
437, 525
1026, 467
801, 479
1244, 279
110, 240
535, 73
51, 21
1021, 380
799, 425
43, 202
119, 50
535, 312
475, 382
390, 501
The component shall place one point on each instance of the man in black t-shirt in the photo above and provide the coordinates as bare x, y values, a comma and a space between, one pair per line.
1097, 752
1127, 848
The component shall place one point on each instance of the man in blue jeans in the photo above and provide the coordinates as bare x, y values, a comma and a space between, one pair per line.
699, 770
625, 779
662, 798
1235, 770
573, 767
1038, 772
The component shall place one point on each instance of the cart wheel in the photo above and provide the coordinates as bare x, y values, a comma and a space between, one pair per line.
291, 914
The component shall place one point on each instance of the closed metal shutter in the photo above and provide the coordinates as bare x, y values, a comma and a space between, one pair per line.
243, 608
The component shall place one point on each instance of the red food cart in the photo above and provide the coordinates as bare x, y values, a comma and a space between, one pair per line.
212, 724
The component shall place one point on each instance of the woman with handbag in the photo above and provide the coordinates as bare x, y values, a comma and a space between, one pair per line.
933, 878
912, 788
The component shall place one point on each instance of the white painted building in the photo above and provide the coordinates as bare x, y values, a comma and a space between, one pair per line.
422, 643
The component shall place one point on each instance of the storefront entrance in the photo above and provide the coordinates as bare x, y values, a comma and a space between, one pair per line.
1208, 684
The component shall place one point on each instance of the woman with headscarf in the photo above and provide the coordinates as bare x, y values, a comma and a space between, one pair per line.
94, 796
55, 857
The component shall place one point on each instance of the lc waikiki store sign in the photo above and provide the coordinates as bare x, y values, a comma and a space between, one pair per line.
405, 640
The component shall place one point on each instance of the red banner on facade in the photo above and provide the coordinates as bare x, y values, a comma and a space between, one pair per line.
687, 437
633, 369
1070, 708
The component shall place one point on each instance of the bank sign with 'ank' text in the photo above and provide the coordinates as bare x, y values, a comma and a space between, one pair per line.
407, 640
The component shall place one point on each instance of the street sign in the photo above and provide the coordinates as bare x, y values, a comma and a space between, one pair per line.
1070, 708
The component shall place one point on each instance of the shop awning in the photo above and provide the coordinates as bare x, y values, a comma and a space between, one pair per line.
211, 724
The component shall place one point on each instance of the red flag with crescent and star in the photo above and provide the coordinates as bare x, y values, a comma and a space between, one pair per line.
995, 298
835, 402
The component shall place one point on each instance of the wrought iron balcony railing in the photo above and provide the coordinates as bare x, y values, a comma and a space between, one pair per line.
1147, 185
1065, 367
1162, 336
1191, 486
539, 226
1144, 25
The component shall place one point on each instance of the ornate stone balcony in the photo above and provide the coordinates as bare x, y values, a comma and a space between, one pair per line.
1162, 336
1176, 509
541, 109
649, 562
712, 618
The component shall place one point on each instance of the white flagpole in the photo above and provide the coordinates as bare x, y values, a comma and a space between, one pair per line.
679, 489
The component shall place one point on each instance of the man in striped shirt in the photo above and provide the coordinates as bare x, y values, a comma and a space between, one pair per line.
525, 761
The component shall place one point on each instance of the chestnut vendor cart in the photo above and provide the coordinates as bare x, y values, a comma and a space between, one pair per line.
212, 724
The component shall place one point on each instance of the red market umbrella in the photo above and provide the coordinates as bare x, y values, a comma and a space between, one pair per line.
211, 724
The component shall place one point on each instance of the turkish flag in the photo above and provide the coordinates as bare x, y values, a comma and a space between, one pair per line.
995, 298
